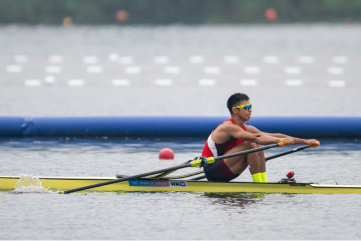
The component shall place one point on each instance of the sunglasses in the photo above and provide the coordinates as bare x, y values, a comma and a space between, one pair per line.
246, 107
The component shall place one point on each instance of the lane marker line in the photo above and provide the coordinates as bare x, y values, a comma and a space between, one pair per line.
340, 59
164, 82
132, 70
90, 59
337, 83
306, 59
76, 82
207, 82
271, 59
14, 68
231, 59
294, 82
212, 70
21, 58
161, 59
56, 59
172, 70
292, 70
126, 60
94, 69
53, 69
335, 70
32, 82
248, 82
120, 82
252, 70
196, 59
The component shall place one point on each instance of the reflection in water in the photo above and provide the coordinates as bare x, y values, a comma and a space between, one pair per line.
235, 199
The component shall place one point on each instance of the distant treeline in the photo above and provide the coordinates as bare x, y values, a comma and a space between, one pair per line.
177, 11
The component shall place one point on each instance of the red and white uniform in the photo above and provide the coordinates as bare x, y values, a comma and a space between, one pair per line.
212, 149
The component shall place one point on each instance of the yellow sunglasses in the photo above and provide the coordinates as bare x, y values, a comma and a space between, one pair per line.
246, 107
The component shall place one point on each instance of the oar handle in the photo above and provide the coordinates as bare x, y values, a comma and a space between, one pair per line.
314, 145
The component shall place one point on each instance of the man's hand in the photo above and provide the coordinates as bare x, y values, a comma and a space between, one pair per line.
312, 143
288, 141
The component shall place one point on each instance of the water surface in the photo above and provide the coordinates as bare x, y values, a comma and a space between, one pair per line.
173, 215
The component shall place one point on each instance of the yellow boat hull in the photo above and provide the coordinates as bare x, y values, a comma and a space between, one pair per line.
149, 185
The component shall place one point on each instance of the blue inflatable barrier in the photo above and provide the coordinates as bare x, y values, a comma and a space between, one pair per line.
166, 126
120, 126
11, 126
310, 126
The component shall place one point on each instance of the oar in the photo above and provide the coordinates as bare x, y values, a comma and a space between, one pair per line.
195, 163
267, 158
287, 152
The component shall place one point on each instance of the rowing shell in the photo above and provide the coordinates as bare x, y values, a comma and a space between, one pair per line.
150, 185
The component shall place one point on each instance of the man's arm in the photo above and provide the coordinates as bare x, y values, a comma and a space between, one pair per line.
296, 141
259, 138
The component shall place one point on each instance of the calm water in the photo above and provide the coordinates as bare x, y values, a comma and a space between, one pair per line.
177, 215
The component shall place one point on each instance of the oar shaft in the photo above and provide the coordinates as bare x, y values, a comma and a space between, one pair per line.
123, 179
286, 152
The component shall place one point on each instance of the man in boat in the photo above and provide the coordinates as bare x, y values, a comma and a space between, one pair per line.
233, 135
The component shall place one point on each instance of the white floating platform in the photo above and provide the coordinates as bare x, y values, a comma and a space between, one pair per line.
164, 82
49, 79
161, 59
132, 70
32, 82
53, 69
21, 58
335, 70
252, 70
294, 82
197, 59
56, 59
337, 83
293, 70
14, 68
231, 59
207, 82
172, 70
120, 82
306, 59
113, 57
340, 59
126, 60
76, 82
248, 82
212, 70
271, 59
94, 69
90, 60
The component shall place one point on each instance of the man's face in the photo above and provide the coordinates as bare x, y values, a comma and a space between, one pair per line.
245, 115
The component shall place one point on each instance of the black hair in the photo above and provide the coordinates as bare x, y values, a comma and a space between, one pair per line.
235, 100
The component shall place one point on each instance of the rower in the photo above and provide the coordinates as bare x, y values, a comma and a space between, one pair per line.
233, 135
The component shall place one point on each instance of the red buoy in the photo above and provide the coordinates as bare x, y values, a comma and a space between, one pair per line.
122, 16
271, 14
166, 154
